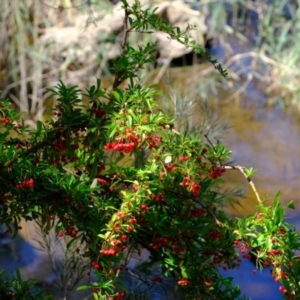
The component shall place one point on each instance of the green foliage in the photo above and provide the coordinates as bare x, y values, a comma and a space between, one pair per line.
249, 172
273, 242
15, 288
118, 178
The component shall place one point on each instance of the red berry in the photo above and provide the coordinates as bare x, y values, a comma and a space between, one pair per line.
123, 237
132, 220
144, 207
183, 282
95, 265
157, 279
129, 228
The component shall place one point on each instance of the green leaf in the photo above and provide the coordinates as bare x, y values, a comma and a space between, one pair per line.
94, 170
214, 183
279, 213
276, 199
249, 172
117, 94
39, 126
129, 121
94, 184
18, 273
291, 205
83, 287
106, 284
130, 21
184, 273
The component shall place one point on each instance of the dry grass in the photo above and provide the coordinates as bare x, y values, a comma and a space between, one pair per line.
27, 65
30, 61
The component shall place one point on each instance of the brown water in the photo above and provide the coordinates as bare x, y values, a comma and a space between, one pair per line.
267, 139
264, 137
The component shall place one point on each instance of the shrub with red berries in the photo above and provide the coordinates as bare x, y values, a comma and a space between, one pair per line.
118, 177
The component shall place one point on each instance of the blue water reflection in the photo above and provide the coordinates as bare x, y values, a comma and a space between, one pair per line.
260, 286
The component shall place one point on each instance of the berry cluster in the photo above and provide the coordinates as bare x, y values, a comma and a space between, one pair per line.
279, 275
153, 143
184, 158
121, 214
99, 113
117, 246
103, 181
59, 110
159, 242
283, 290
121, 145
143, 208
158, 198
72, 231
170, 167
119, 296
216, 172
274, 252
60, 147
215, 235
194, 187
27, 184
95, 265
106, 184
198, 212
112, 251
244, 248
5, 121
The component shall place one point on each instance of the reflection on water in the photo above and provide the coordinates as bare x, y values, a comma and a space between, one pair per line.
268, 140
15, 254
259, 286
28, 253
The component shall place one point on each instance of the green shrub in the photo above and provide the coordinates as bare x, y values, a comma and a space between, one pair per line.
117, 177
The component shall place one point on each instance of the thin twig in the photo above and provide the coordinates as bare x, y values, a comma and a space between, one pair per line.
241, 169
137, 276
126, 31
212, 145
72, 173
